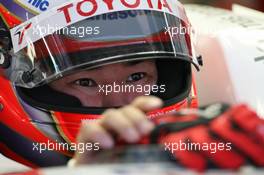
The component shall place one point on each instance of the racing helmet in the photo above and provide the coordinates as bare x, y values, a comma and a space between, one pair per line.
49, 41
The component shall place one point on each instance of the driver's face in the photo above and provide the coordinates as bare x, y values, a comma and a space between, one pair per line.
90, 86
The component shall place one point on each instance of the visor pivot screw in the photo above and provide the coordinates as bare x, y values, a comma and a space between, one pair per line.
27, 77
1, 107
200, 60
4, 60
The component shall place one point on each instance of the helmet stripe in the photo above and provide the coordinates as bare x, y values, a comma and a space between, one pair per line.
10, 19
21, 13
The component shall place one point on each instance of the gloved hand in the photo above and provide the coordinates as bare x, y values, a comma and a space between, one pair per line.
217, 136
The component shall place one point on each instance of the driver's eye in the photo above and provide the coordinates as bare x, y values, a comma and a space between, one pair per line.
136, 77
86, 82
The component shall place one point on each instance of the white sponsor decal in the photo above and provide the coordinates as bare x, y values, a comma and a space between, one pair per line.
78, 10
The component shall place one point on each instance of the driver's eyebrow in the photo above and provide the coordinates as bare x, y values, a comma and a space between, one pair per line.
132, 63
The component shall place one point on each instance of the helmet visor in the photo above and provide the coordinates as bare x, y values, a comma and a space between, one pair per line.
100, 40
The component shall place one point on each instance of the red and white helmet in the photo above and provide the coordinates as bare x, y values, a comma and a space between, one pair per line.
53, 39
